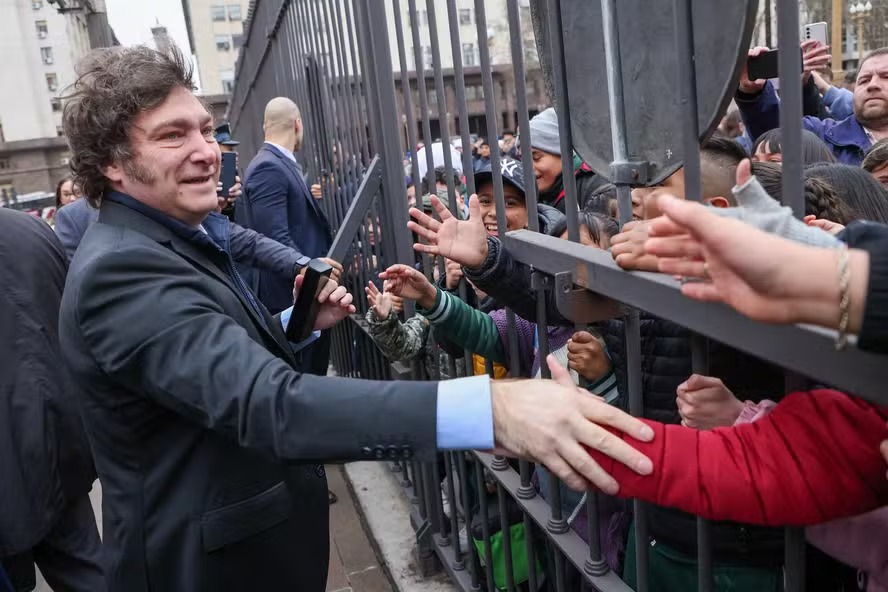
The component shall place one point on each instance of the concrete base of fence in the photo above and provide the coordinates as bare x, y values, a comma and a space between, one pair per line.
386, 511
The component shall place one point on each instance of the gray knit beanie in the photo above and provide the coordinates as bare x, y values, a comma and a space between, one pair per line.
544, 132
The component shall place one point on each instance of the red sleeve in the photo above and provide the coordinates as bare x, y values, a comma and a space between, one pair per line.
815, 458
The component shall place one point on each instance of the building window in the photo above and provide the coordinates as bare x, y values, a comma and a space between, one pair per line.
42, 29
234, 12
217, 12
468, 54
237, 40
37, 4
227, 78
223, 42
465, 16
46, 54
5, 164
2, 137
56, 104
52, 82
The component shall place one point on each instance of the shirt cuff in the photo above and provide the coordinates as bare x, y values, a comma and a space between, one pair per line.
465, 414
285, 320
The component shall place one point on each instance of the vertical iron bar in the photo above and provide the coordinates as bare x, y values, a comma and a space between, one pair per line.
407, 93
530, 189
616, 106
358, 78
559, 68
790, 64
444, 119
505, 529
459, 563
419, 65
463, 472
490, 114
687, 84
462, 108
485, 526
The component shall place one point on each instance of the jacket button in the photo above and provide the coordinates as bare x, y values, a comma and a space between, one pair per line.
393, 453
367, 451
406, 452
379, 452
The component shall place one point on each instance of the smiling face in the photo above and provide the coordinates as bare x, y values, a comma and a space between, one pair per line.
546, 168
516, 208
871, 93
175, 159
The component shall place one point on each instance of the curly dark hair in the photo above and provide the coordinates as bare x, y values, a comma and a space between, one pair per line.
113, 87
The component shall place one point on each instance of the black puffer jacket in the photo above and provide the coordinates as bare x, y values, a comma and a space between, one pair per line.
666, 363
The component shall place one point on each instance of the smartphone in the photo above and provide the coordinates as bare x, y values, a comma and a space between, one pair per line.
762, 66
815, 31
229, 172
305, 310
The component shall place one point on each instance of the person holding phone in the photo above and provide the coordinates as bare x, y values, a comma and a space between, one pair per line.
848, 139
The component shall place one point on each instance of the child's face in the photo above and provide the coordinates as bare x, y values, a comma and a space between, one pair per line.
516, 208
546, 168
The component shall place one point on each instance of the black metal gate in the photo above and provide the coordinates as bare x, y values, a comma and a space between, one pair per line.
335, 59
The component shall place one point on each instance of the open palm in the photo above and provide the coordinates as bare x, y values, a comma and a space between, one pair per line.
463, 241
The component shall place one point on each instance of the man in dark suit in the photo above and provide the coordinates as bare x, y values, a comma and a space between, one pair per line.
46, 468
279, 204
197, 417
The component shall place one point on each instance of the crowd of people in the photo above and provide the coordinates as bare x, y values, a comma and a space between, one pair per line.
146, 346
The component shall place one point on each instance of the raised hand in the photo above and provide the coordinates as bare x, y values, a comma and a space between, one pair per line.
705, 403
814, 57
586, 356
454, 274
627, 247
380, 302
554, 422
464, 241
752, 86
407, 282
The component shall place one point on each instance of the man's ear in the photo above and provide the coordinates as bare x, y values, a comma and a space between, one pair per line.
718, 202
114, 172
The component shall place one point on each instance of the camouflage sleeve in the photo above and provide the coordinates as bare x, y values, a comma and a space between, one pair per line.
397, 340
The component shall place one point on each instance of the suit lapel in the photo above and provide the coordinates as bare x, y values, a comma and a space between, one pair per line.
119, 215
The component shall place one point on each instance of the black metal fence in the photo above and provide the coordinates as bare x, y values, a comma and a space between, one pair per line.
335, 59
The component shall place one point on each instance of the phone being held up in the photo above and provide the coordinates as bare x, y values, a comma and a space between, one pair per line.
306, 308
228, 173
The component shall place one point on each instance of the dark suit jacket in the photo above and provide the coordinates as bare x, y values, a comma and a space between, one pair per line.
45, 461
71, 222
195, 411
278, 204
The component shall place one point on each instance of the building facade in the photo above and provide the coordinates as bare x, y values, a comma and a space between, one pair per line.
215, 31
42, 42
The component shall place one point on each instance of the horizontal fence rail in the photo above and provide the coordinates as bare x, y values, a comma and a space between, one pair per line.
381, 86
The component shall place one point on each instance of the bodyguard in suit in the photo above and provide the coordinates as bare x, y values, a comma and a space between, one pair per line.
46, 468
279, 204
195, 411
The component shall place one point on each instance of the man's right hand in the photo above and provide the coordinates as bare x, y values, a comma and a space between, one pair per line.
752, 86
464, 241
336, 265
551, 421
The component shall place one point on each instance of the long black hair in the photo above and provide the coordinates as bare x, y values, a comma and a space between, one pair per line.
59, 190
864, 196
